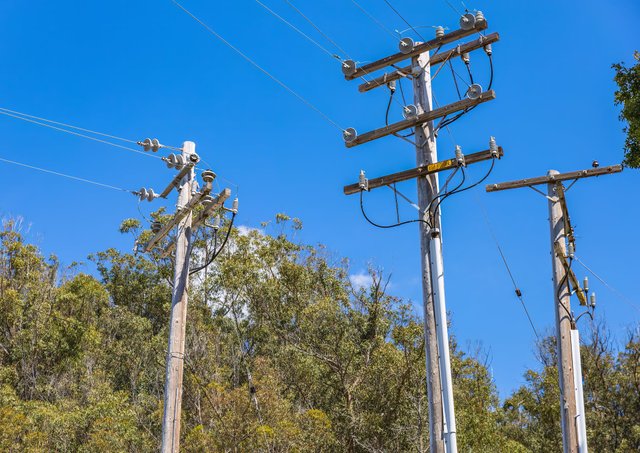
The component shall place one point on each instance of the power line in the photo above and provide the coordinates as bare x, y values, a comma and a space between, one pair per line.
71, 126
455, 10
333, 56
317, 28
609, 287
76, 178
68, 125
506, 265
404, 20
260, 68
60, 129
310, 39
376, 21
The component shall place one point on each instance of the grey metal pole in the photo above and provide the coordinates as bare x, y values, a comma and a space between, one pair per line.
426, 153
178, 318
562, 303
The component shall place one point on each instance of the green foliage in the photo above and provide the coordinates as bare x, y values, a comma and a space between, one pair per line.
284, 354
628, 95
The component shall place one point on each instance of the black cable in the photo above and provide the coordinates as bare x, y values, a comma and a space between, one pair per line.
493, 162
404, 101
387, 226
444, 122
455, 81
491, 69
216, 253
386, 115
468, 65
395, 194
445, 194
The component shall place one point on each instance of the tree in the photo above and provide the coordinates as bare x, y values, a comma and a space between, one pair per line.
628, 95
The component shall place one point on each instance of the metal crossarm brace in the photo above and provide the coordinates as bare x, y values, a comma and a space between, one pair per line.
554, 178
420, 119
181, 213
435, 59
176, 180
572, 276
417, 50
422, 171
560, 192
215, 204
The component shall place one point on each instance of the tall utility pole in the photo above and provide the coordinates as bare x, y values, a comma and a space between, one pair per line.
420, 117
569, 410
565, 283
189, 198
178, 316
433, 276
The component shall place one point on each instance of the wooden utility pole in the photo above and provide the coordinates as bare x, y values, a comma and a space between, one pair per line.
178, 316
189, 197
564, 320
420, 117
426, 153
565, 283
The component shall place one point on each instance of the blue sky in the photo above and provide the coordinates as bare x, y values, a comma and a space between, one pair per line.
140, 69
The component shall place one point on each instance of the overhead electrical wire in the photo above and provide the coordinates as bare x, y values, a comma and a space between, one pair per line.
621, 296
260, 68
447, 121
76, 178
60, 129
403, 19
317, 28
307, 37
215, 253
71, 126
516, 288
376, 21
115, 137
331, 55
406, 222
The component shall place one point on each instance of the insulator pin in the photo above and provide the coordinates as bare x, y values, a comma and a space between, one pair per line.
459, 156
363, 182
585, 284
493, 147
439, 32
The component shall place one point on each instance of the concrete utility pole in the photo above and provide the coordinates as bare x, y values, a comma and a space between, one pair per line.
178, 316
189, 197
420, 117
565, 283
439, 386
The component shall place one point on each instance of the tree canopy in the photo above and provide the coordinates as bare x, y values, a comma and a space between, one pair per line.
284, 354
628, 96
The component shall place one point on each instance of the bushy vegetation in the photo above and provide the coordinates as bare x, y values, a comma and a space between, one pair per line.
284, 354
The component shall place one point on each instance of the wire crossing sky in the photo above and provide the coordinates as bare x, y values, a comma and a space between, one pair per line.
147, 69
